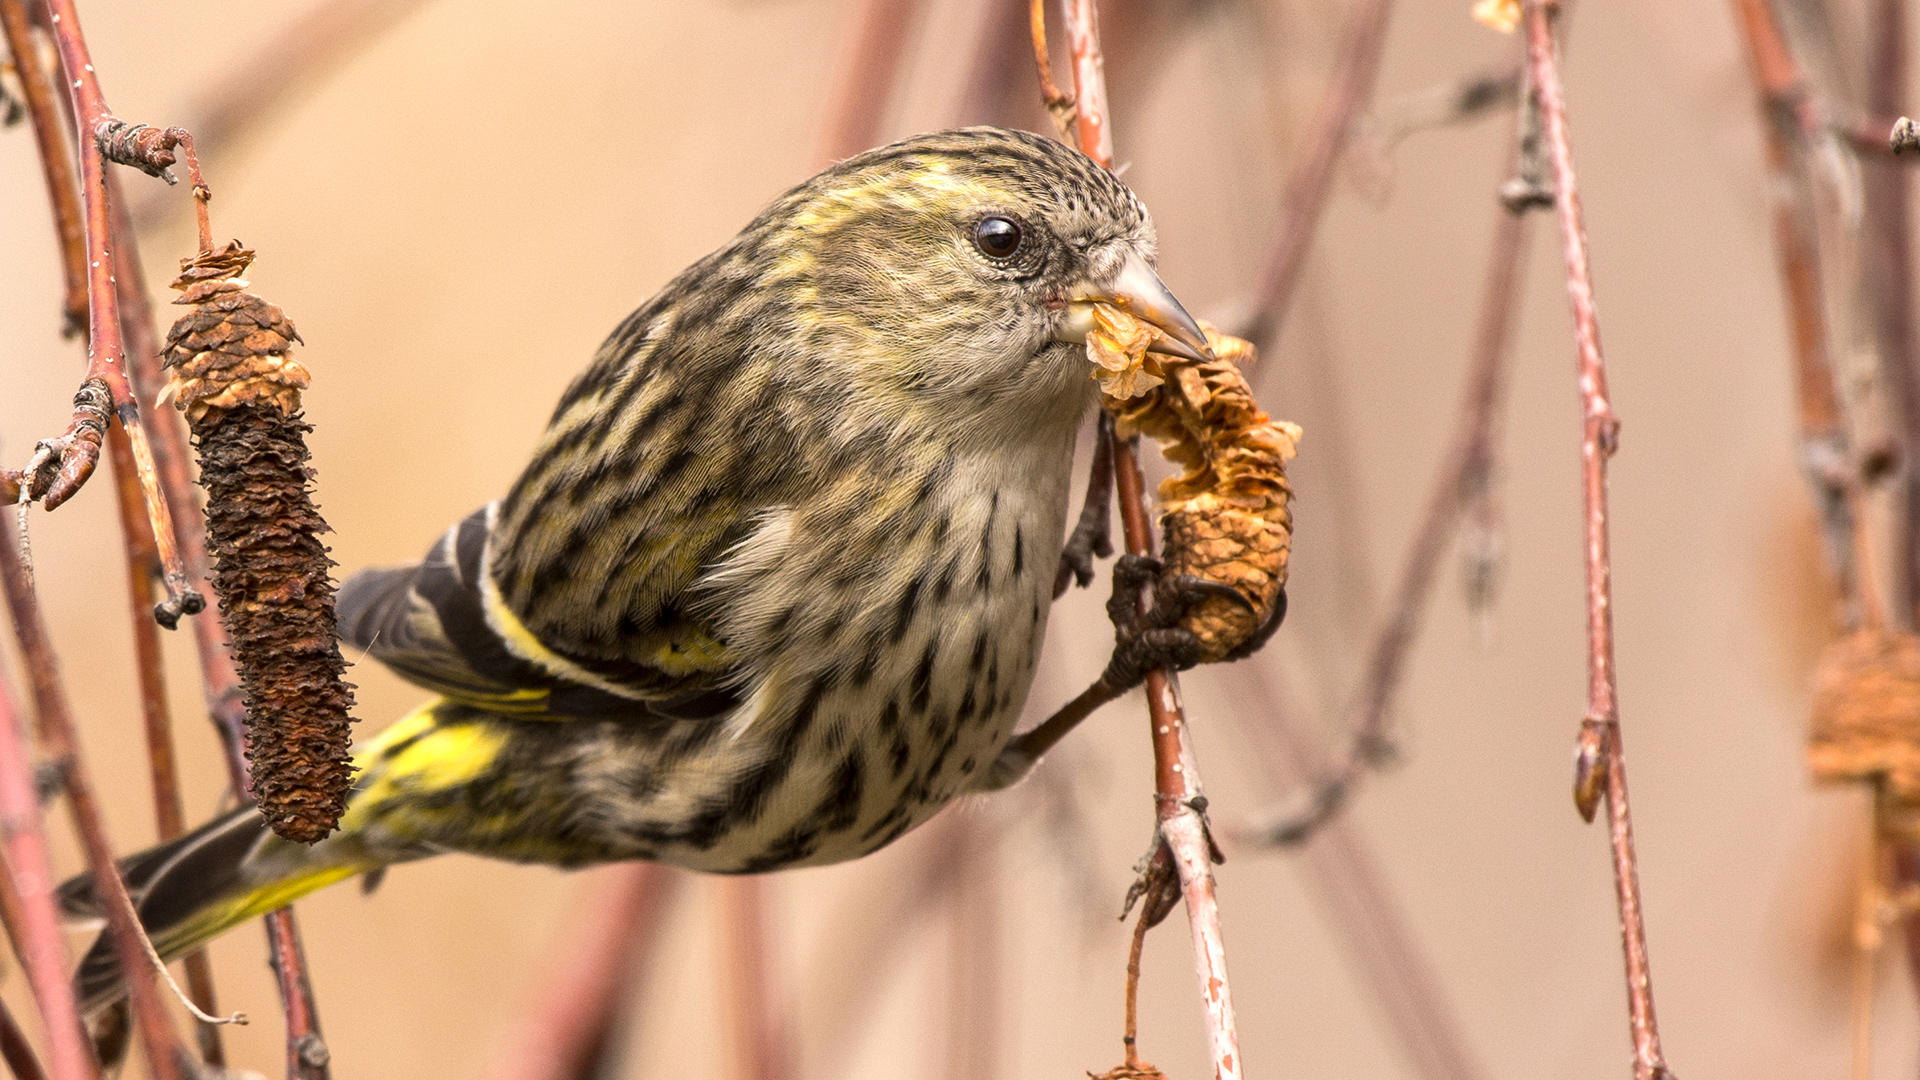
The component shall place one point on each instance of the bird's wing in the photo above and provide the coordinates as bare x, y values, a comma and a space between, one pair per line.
430, 623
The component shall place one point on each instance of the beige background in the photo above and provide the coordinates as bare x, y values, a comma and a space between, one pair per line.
458, 214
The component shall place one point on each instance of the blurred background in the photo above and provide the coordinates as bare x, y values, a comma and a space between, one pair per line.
461, 203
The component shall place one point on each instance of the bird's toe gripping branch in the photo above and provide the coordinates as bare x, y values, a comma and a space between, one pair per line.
1157, 638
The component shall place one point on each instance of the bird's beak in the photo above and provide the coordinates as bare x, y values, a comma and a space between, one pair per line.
1138, 291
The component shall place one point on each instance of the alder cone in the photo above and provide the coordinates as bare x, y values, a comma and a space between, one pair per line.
1866, 712
230, 373
1227, 518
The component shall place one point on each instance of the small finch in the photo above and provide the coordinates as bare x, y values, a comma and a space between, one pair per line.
772, 589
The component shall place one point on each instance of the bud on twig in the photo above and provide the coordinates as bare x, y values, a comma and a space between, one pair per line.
231, 374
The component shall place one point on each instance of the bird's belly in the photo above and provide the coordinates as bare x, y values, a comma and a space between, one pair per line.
881, 699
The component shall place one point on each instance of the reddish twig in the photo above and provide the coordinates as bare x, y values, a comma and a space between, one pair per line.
33, 919
1464, 475
1825, 455
15, 1050
1307, 185
56, 162
143, 563
1343, 873
60, 743
307, 1053
1601, 770
757, 1035
1180, 804
972, 1008
567, 1029
1060, 105
1886, 250
863, 84
61, 465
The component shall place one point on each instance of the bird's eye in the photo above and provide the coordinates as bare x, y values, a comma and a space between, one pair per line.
997, 237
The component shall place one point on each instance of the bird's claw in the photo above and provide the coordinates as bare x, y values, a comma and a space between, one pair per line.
1155, 639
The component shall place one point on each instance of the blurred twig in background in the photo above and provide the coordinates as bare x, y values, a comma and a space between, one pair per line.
756, 1033
1464, 476
33, 922
567, 1028
1312, 176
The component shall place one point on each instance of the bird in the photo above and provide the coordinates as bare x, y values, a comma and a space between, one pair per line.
772, 589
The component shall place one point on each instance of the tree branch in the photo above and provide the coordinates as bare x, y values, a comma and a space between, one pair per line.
1312, 176
758, 1037
32, 917
60, 742
863, 82
61, 465
1601, 764
566, 1032
1179, 801
56, 162
1463, 474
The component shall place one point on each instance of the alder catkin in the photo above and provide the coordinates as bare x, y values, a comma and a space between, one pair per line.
229, 369
1226, 518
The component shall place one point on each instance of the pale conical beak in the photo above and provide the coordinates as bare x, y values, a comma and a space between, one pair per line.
1138, 291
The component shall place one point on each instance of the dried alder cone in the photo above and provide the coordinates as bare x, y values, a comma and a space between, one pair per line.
1225, 518
230, 373
1866, 712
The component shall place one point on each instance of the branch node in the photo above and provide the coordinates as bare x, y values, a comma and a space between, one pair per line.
60, 465
141, 146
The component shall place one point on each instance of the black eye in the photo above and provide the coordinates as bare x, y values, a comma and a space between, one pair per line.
996, 237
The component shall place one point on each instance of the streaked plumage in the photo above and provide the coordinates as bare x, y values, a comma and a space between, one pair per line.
772, 589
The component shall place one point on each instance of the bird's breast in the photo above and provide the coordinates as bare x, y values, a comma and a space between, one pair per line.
893, 633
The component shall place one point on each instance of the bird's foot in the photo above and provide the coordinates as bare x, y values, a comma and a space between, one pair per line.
1155, 639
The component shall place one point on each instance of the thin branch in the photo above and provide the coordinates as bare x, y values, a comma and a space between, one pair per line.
33, 920
307, 1053
56, 162
15, 1050
60, 742
143, 563
1462, 474
1059, 103
60, 465
974, 948
1307, 185
1887, 258
1825, 456
1602, 761
1344, 875
1376, 135
566, 1032
863, 83
1179, 802
758, 1036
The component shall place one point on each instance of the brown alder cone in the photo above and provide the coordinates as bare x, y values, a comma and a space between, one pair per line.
1226, 518
230, 373
1866, 712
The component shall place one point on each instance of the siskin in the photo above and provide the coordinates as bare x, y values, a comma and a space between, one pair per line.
772, 589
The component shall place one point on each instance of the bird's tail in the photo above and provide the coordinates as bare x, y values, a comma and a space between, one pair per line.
191, 889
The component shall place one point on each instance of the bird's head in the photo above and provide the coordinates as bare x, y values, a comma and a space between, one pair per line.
952, 272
